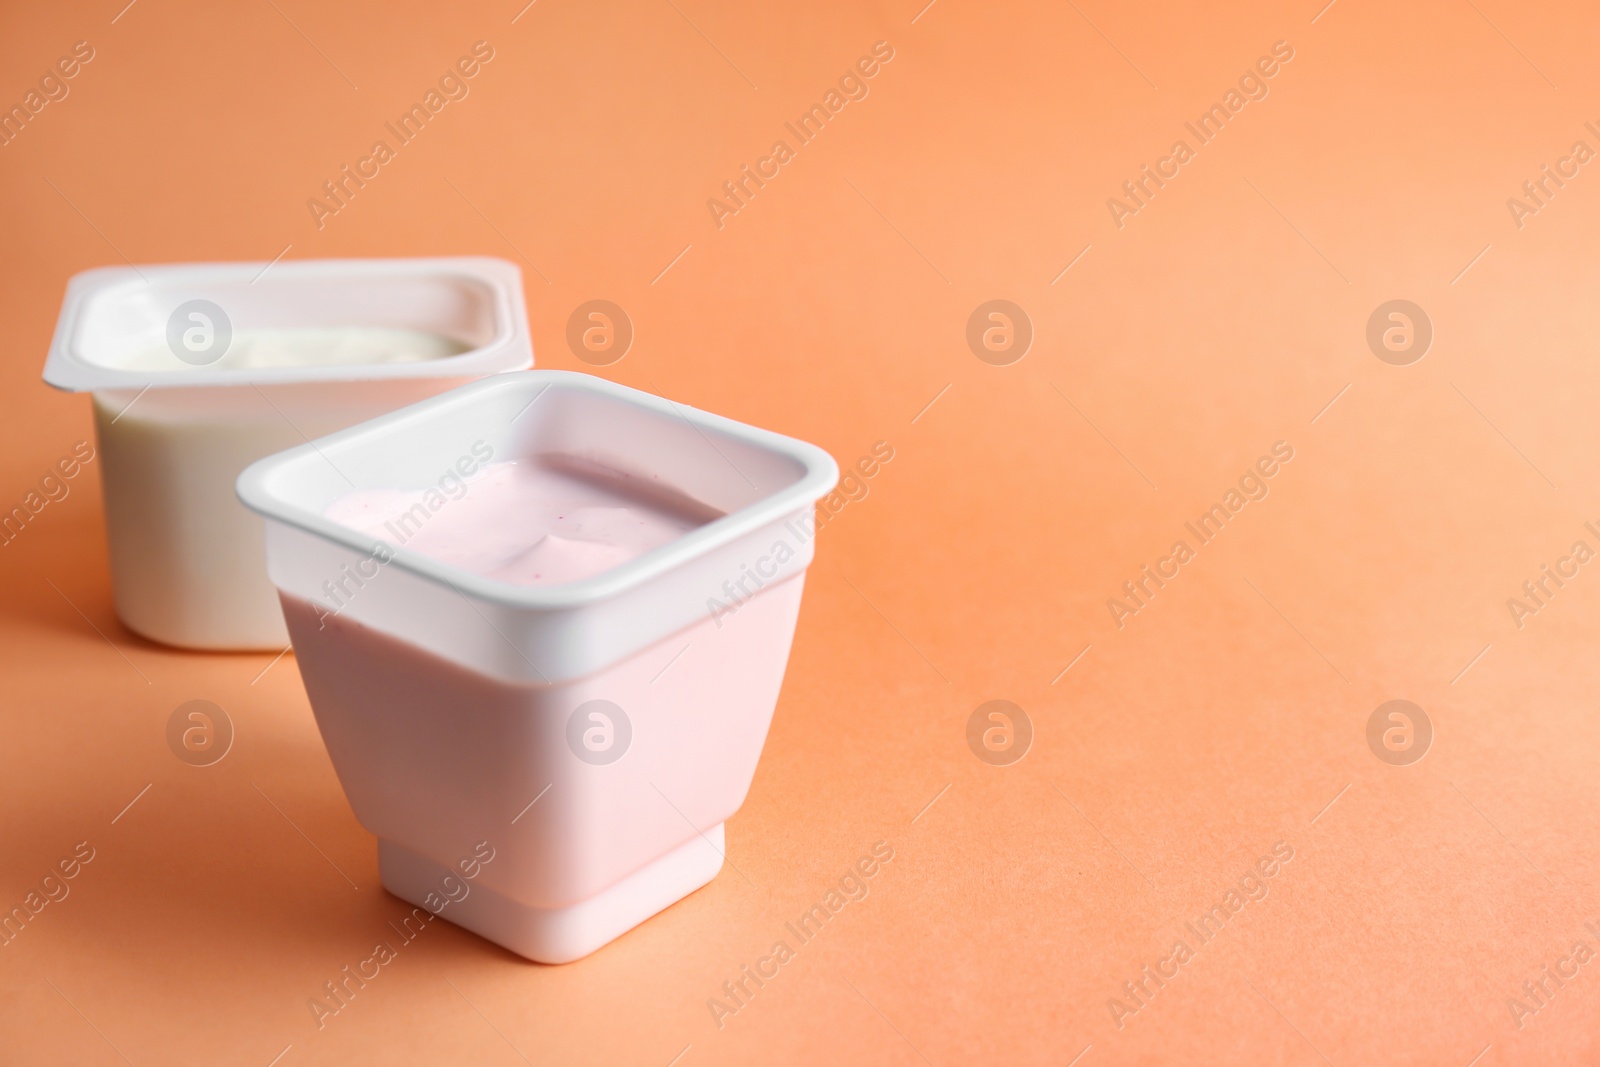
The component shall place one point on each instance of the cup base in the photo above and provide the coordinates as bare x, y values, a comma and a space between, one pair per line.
557, 935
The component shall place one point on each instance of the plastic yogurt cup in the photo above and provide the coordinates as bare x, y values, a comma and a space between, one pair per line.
198, 370
543, 618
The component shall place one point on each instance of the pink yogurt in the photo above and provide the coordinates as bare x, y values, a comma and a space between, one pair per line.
541, 521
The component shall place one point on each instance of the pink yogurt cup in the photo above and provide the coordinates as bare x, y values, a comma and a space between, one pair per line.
591, 737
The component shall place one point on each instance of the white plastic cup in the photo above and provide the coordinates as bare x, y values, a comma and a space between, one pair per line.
177, 416
591, 736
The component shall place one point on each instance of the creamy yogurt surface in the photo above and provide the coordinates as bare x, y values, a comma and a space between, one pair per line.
527, 522
344, 346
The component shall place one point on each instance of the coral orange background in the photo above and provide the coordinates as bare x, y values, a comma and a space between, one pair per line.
1227, 715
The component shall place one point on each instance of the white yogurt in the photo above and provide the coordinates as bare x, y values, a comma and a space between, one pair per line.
312, 346
358, 346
